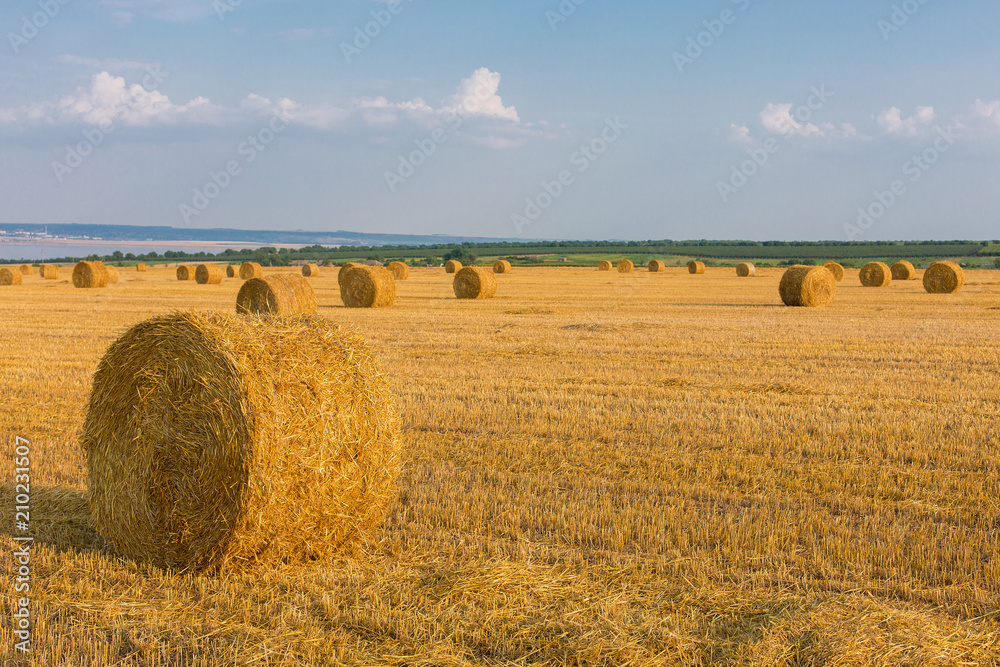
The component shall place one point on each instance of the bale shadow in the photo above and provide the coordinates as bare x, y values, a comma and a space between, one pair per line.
58, 517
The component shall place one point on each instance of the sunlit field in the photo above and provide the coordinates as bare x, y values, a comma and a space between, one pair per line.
599, 469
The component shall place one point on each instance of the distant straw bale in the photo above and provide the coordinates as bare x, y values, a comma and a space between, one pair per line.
903, 270
605, 265
626, 266
49, 271
208, 274
875, 274
944, 278
25, 269
277, 294
836, 269
140, 267
657, 266
745, 269
368, 287
696, 268
112, 273
452, 266
11, 276
810, 286
186, 272
501, 266
231, 271
399, 270
90, 275
310, 270
474, 282
250, 270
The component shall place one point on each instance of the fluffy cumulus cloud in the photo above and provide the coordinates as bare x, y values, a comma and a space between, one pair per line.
987, 110
782, 120
892, 122
478, 96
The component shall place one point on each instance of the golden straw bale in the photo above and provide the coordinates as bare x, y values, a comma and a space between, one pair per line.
49, 271
186, 272
11, 276
219, 443
208, 274
231, 271
836, 269
278, 294
112, 273
501, 266
250, 270
474, 282
696, 268
903, 270
310, 270
657, 266
368, 287
399, 270
944, 278
811, 286
90, 275
626, 266
876, 274
25, 269
452, 266
140, 267
745, 269
605, 265
344, 270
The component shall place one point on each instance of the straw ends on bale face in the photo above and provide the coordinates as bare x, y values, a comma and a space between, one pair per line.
248, 442
474, 282
836, 269
696, 268
745, 269
278, 294
809, 286
903, 270
368, 287
11, 276
250, 270
501, 266
605, 265
452, 266
944, 278
626, 266
399, 270
90, 275
343, 271
208, 274
875, 274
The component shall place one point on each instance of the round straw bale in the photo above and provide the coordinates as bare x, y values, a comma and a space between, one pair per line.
452, 266
90, 274
368, 287
696, 268
875, 274
399, 270
474, 282
944, 278
344, 270
25, 269
310, 270
231, 271
745, 269
208, 274
836, 269
11, 276
49, 271
605, 265
218, 443
250, 270
811, 286
186, 272
112, 273
903, 270
501, 266
657, 266
626, 266
277, 294
140, 267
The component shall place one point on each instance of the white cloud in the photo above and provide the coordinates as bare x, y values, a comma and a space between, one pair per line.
739, 134
477, 95
987, 110
777, 119
891, 121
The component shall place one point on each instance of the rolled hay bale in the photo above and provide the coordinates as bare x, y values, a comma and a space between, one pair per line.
657, 266
626, 266
11, 276
112, 273
186, 272
231, 271
836, 269
278, 294
399, 270
208, 274
140, 267
474, 282
605, 265
217, 443
368, 287
452, 266
310, 270
90, 275
49, 271
875, 274
903, 270
810, 286
745, 269
25, 269
344, 271
696, 268
944, 278
250, 270
501, 266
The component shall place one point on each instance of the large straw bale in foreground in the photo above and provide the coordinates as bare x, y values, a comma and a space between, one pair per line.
186, 272
745, 269
11, 276
310, 270
474, 282
626, 266
399, 270
657, 266
696, 268
250, 270
368, 287
208, 274
344, 271
875, 274
216, 442
277, 294
903, 270
944, 278
501, 266
836, 269
811, 286
90, 275
605, 265
49, 271
452, 266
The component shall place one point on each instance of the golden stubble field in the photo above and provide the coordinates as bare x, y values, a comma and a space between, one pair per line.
600, 469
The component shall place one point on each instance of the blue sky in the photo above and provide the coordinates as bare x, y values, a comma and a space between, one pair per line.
576, 119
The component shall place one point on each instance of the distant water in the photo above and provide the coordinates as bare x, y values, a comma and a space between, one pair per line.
12, 251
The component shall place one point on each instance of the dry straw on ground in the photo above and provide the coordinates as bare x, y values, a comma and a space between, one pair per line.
745, 269
903, 270
90, 275
250, 270
11, 276
875, 274
452, 266
501, 266
231, 271
310, 270
344, 271
140, 267
186, 272
811, 286
696, 268
208, 274
626, 266
368, 287
25, 269
277, 294
474, 282
49, 271
247, 441
605, 265
657, 266
112, 273
399, 270
944, 278
836, 269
